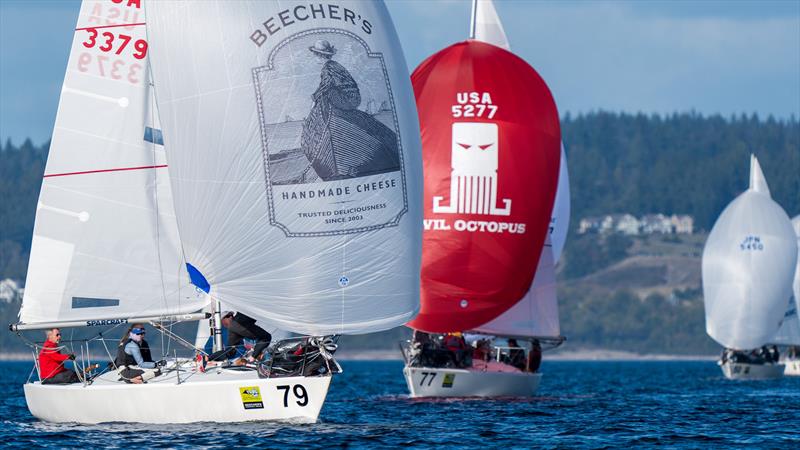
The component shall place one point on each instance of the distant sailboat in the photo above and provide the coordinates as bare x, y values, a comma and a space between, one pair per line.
789, 333
117, 242
492, 170
748, 264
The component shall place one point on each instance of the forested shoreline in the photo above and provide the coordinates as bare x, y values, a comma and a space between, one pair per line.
684, 163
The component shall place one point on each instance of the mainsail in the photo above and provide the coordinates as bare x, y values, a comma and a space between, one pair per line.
536, 313
298, 200
491, 142
748, 265
105, 241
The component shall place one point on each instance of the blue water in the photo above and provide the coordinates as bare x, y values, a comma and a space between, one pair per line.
580, 405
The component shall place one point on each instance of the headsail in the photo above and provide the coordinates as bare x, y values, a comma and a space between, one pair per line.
295, 158
748, 264
486, 25
536, 314
105, 242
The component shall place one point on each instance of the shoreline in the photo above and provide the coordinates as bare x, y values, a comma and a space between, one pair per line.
394, 355
571, 355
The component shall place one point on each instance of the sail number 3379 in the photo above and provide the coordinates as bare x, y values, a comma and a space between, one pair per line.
108, 41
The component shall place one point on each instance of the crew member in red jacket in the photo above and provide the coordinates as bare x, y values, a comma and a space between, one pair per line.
51, 361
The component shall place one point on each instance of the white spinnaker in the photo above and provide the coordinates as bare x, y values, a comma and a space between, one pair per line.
236, 84
748, 264
105, 240
536, 314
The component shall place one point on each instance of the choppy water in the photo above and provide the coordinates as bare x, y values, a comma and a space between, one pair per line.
581, 404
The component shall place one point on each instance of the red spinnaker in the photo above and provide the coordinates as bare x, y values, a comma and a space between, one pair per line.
490, 138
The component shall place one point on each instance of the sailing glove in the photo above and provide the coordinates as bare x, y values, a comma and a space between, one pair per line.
161, 363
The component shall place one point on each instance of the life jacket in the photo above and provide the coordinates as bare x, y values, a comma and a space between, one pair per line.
144, 347
123, 359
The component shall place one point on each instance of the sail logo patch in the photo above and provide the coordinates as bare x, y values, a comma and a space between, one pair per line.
473, 180
449, 378
330, 136
251, 397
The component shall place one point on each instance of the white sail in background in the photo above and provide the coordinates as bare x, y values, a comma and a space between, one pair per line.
559, 223
796, 285
295, 204
105, 242
789, 332
536, 314
748, 264
486, 25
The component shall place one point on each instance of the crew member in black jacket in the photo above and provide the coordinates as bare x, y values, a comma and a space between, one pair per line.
241, 326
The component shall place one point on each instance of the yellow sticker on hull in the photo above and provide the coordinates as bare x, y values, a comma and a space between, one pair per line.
251, 397
448, 380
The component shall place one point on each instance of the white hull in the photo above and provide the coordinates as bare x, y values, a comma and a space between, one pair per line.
430, 382
792, 367
200, 397
745, 371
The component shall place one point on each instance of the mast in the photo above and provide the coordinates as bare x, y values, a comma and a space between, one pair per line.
473, 19
217, 325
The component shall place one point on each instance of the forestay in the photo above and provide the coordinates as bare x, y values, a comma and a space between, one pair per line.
105, 242
295, 159
748, 264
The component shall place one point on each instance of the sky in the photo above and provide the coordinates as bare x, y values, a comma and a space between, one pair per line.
713, 57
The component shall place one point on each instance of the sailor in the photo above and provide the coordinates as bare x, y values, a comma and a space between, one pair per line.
457, 346
535, 357
241, 326
51, 361
240, 349
130, 362
516, 355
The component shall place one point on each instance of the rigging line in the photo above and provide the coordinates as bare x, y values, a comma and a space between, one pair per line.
111, 26
119, 169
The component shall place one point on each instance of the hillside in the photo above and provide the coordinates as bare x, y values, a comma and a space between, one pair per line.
639, 294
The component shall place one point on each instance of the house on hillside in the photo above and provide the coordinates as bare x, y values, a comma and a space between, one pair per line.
627, 224
656, 223
682, 224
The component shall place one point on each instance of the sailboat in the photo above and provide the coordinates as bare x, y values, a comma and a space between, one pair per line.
748, 265
161, 202
789, 332
492, 171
